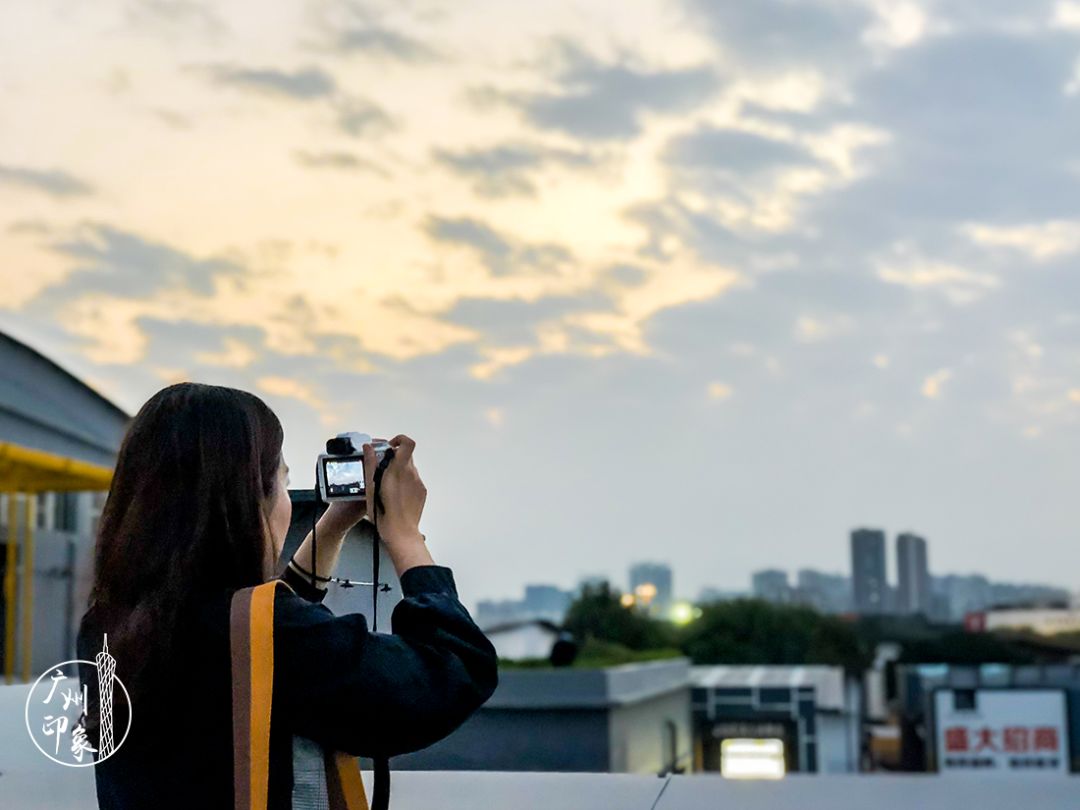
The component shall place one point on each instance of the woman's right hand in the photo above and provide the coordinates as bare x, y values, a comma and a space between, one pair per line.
403, 493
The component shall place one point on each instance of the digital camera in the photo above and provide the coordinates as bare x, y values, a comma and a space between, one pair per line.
341, 467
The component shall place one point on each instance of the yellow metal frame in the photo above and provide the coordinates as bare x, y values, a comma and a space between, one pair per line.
27, 471
10, 587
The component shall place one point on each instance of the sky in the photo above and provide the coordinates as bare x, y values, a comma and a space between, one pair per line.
704, 281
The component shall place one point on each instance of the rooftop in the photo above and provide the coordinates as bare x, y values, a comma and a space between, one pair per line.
29, 781
828, 682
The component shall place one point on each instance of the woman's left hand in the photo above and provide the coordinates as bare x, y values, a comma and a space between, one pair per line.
340, 516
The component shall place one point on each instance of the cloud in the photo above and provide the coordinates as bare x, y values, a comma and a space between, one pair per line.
1067, 15
959, 285
495, 417
600, 101
359, 117
733, 152
719, 391
54, 182
519, 321
746, 180
303, 84
108, 260
932, 385
172, 18
291, 388
234, 354
1041, 241
186, 343
342, 161
811, 329
500, 254
510, 169
779, 33
957, 136
371, 39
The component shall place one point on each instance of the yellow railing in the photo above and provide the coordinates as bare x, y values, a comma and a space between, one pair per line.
25, 470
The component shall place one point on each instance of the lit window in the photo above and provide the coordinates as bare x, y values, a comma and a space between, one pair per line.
752, 759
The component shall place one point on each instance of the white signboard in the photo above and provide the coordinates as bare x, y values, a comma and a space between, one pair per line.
1009, 731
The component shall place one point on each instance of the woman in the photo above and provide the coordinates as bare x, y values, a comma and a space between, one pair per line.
199, 508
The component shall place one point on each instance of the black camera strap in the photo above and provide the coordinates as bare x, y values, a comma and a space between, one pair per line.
380, 798
380, 795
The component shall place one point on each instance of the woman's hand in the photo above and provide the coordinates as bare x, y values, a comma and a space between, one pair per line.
340, 516
403, 495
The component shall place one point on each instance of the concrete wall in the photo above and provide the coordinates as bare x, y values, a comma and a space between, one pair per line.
63, 565
646, 736
600, 720
525, 641
520, 740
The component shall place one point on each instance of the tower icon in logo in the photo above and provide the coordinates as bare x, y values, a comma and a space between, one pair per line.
106, 671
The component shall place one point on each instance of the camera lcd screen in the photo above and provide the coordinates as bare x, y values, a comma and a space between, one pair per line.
344, 477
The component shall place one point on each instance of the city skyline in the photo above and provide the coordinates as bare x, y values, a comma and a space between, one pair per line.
718, 280
826, 591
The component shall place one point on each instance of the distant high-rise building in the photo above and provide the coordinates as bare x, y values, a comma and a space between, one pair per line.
827, 593
964, 594
652, 583
547, 602
971, 593
913, 575
540, 602
771, 585
869, 586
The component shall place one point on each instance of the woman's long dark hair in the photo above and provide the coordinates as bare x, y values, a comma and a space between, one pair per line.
186, 509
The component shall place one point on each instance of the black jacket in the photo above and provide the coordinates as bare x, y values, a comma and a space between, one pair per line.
370, 694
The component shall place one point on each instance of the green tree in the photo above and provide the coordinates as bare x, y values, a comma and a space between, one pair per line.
750, 631
598, 614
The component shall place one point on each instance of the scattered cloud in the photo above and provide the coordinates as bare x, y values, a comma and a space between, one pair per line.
719, 391
1042, 241
234, 354
959, 285
510, 169
109, 260
342, 161
54, 182
360, 117
303, 84
291, 388
599, 100
502, 255
811, 329
371, 39
173, 18
932, 385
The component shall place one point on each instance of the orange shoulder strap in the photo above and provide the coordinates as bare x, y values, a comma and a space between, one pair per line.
251, 634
